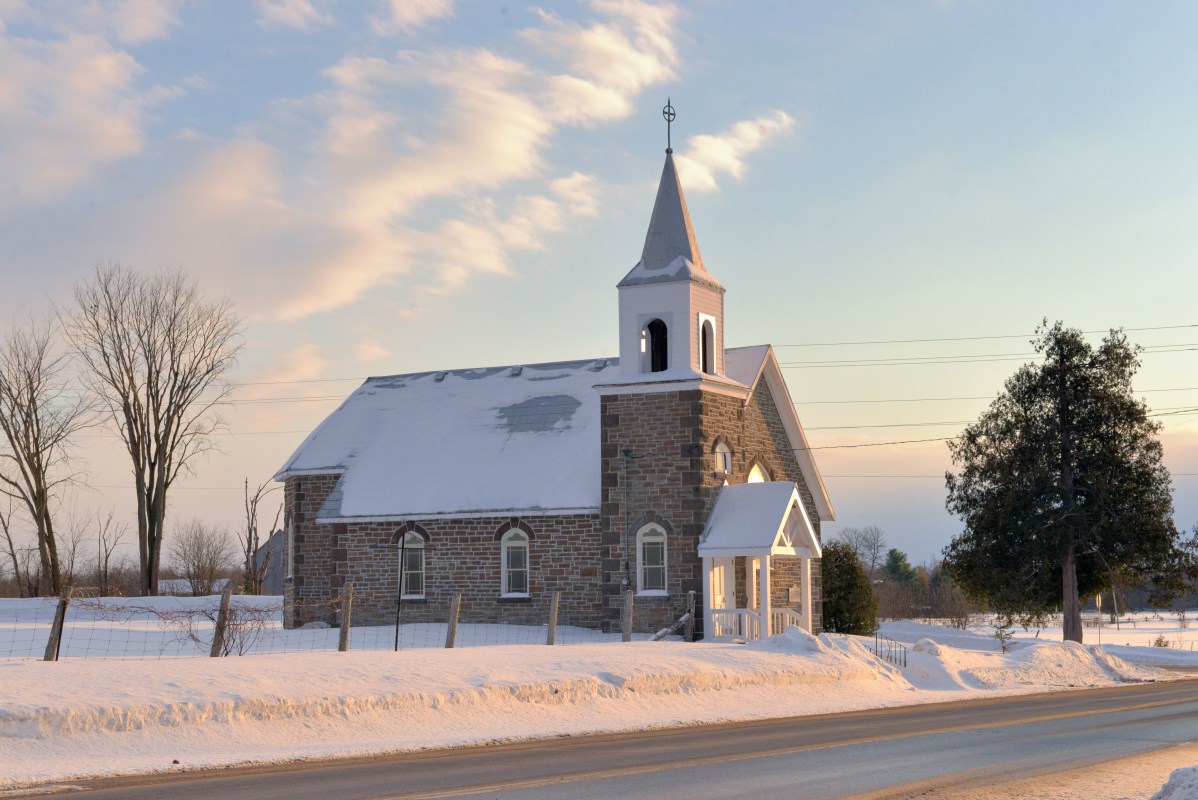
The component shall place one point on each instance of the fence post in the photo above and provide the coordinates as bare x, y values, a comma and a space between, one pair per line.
222, 620
690, 622
451, 630
552, 634
60, 617
347, 607
626, 617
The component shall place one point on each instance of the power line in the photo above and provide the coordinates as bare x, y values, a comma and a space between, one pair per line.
968, 338
980, 358
945, 399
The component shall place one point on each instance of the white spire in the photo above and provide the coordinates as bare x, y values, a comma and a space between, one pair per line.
671, 252
670, 233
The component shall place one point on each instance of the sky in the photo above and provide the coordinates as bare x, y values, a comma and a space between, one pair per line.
894, 194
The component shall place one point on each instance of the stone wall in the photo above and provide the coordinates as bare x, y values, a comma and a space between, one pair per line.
658, 465
461, 557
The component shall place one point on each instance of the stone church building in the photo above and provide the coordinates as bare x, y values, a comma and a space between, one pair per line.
679, 466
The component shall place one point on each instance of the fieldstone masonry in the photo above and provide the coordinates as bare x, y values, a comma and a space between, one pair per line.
657, 465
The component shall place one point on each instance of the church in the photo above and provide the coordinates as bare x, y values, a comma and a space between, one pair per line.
679, 466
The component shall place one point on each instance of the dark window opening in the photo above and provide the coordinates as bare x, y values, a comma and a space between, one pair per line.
707, 348
658, 346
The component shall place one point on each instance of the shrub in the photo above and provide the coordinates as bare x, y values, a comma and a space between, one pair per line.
849, 602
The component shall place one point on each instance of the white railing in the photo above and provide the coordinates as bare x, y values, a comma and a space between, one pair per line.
781, 617
736, 623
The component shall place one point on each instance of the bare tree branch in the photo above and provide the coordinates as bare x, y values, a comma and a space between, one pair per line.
155, 352
39, 415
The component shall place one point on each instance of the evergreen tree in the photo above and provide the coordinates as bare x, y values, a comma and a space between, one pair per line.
897, 568
1060, 482
849, 602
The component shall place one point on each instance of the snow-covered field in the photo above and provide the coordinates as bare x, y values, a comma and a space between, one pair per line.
82, 717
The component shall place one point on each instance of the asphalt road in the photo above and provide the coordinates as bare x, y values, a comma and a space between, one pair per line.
840, 755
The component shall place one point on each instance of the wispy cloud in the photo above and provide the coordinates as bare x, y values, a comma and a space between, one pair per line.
708, 155
402, 16
74, 99
302, 14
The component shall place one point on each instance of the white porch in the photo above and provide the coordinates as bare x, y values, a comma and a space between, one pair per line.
757, 522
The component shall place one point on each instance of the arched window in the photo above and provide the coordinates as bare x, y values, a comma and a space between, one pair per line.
514, 555
758, 474
411, 568
707, 347
655, 347
651, 559
723, 458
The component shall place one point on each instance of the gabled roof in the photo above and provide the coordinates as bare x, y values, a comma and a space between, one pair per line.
671, 252
492, 441
750, 365
759, 519
495, 440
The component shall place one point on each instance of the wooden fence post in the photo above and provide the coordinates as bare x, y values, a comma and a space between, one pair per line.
552, 634
690, 622
347, 607
60, 617
626, 617
222, 620
451, 630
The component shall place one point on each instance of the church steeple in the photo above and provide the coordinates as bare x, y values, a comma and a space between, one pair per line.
670, 232
671, 307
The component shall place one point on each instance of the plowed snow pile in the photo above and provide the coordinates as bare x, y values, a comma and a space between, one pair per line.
91, 717
1182, 785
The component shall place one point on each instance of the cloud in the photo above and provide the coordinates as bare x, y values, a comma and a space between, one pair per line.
73, 100
303, 362
402, 16
369, 350
416, 171
707, 155
301, 14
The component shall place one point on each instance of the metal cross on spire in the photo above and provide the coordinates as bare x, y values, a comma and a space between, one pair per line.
668, 113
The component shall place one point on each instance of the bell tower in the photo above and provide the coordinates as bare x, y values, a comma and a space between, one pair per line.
671, 307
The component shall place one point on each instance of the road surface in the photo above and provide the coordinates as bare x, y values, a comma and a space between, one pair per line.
875, 753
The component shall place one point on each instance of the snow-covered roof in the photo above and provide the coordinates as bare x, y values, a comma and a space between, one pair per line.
671, 251
493, 440
753, 519
521, 439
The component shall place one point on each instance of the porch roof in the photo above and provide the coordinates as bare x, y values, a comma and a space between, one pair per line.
759, 519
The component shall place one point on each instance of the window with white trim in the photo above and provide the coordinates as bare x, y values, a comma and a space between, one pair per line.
514, 554
655, 347
707, 344
411, 568
651, 559
723, 458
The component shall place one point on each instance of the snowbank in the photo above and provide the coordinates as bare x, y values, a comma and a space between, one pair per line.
1182, 785
91, 717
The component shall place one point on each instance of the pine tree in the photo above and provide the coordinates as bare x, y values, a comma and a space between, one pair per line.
1060, 483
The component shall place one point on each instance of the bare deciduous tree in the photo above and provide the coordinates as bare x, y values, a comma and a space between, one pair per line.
255, 569
202, 554
10, 546
38, 416
108, 538
155, 352
868, 543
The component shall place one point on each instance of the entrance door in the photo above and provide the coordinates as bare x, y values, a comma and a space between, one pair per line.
719, 596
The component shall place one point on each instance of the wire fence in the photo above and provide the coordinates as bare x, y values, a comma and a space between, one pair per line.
177, 627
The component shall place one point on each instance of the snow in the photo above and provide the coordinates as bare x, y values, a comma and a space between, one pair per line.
748, 519
494, 440
1182, 785
468, 441
79, 717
